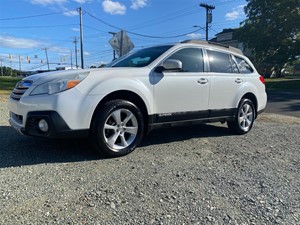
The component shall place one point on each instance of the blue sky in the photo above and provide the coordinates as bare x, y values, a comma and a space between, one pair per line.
27, 27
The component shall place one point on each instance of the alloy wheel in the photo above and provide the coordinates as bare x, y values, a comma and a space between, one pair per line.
120, 129
246, 117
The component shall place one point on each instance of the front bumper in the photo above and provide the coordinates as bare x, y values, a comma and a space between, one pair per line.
57, 126
67, 113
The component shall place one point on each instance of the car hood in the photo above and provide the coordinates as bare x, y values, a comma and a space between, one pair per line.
41, 78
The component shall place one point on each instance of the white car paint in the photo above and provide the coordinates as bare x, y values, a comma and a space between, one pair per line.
162, 93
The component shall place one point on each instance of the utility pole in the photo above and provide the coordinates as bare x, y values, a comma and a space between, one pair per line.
81, 37
10, 62
20, 67
1, 60
71, 58
209, 9
46, 49
75, 43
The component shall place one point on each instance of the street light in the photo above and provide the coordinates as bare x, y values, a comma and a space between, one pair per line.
196, 26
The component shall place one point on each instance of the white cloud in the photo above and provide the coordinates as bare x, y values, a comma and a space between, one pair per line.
80, 1
71, 13
14, 42
75, 29
113, 7
101, 62
236, 13
194, 36
86, 53
61, 5
136, 4
59, 50
48, 2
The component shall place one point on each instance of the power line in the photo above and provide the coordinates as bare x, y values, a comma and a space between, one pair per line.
213, 30
93, 28
32, 16
140, 37
226, 2
137, 34
42, 26
176, 15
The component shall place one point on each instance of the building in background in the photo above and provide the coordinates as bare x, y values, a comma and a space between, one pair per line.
227, 37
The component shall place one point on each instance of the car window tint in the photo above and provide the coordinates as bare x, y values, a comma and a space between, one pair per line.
191, 58
219, 62
141, 57
243, 66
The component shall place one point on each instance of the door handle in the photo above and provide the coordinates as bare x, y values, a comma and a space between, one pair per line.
238, 80
202, 81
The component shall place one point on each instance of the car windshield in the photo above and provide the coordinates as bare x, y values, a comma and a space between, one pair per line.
141, 57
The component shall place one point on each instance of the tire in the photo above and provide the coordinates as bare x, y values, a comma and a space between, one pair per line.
244, 118
117, 128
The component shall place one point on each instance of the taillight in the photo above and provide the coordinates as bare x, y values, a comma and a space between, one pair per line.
262, 79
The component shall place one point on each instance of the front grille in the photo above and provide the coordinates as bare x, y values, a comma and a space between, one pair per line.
20, 89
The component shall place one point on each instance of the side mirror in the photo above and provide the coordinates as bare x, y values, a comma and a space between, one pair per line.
170, 65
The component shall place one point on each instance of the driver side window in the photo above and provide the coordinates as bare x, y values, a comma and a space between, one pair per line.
191, 58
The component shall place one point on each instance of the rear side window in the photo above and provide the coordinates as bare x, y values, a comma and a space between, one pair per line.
243, 66
219, 62
191, 58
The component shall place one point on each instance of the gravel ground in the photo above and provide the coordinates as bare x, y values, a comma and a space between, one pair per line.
191, 175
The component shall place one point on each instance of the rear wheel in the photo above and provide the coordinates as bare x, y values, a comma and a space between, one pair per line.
244, 117
118, 128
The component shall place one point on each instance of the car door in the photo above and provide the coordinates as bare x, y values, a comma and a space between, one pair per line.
225, 82
182, 95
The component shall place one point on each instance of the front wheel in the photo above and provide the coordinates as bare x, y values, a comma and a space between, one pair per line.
118, 128
244, 117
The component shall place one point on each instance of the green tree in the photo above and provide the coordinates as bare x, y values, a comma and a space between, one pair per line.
7, 71
272, 31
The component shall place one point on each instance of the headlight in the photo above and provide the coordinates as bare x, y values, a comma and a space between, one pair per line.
59, 85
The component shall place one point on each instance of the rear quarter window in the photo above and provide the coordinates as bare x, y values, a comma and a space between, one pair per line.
243, 66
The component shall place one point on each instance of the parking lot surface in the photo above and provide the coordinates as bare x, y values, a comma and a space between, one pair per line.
284, 103
185, 175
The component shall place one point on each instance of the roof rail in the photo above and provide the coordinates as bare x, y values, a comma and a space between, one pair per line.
193, 41
236, 50
219, 44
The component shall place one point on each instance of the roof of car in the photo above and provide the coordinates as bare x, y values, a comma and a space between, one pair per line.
213, 44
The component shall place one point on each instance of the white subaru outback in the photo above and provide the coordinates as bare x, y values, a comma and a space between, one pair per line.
184, 83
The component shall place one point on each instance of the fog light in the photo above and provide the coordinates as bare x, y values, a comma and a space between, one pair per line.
43, 125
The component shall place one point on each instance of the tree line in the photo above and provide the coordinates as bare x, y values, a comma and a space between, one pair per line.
272, 31
7, 71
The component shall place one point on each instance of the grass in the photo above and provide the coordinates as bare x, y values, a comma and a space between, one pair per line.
282, 84
7, 84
